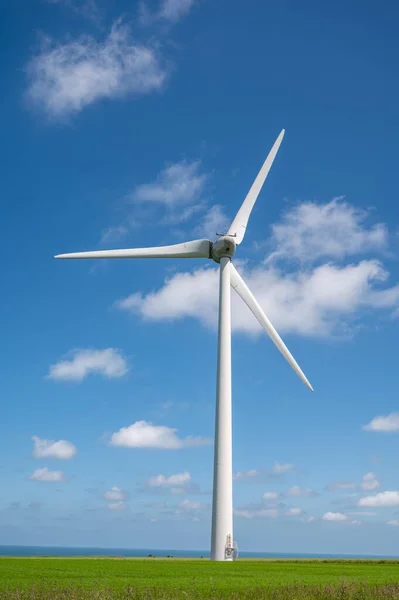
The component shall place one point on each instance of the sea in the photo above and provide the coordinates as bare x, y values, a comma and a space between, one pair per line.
143, 552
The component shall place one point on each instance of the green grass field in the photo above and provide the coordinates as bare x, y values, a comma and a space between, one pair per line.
105, 578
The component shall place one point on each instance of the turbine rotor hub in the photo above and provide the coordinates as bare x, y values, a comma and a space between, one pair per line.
224, 246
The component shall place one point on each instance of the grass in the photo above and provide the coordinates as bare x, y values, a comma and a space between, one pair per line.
167, 579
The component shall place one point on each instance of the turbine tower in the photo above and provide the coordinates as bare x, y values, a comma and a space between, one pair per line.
221, 251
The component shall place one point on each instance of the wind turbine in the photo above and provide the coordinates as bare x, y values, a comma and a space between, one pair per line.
221, 251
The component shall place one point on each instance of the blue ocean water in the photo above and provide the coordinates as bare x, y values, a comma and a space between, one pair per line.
137, 552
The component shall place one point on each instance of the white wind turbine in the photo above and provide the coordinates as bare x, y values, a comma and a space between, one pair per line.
221, 251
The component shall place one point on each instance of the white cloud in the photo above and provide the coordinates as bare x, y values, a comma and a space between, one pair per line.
144, 434
369, 482
384, 424
314, 302
46, 475
113, 234
293, 512
115, 494
177, 184
355, 522
342, 485
388, 498
65, 78
62, 449
245, 475
246, 513
362, 513
109, 362
174, 481
309, 519
170, 11
282, 468
334, 516
175, 10
298, 491
270, 495
190, 506
213, 221
335, 229
120, 505
394, 523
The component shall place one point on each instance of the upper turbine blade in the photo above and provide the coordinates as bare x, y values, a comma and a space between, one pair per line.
239, 285
194, 249
240, 222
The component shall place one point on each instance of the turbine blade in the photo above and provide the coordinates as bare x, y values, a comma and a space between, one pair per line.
240, 222
239, 285
193, 249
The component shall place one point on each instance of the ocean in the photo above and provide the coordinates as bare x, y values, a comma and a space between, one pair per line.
137, 552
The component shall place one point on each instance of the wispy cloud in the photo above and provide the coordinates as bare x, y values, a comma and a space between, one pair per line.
65, 78
109, 362
256, 513
144, 434
282, 467
294, 512
61, 449
298, 492
171, 11
342, 485
177, 480
177, 184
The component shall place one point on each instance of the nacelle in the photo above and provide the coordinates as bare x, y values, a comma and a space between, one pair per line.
225, 246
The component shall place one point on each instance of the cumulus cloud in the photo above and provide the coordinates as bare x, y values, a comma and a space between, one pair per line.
298, 491
334, 516
369, 482
310, 231
114, 494
61, 449
388, 498
314, 300
109, 362
384, 424
65, 78
45, 474
143, 434
311, 302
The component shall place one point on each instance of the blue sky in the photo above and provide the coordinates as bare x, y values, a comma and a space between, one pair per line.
145, 124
